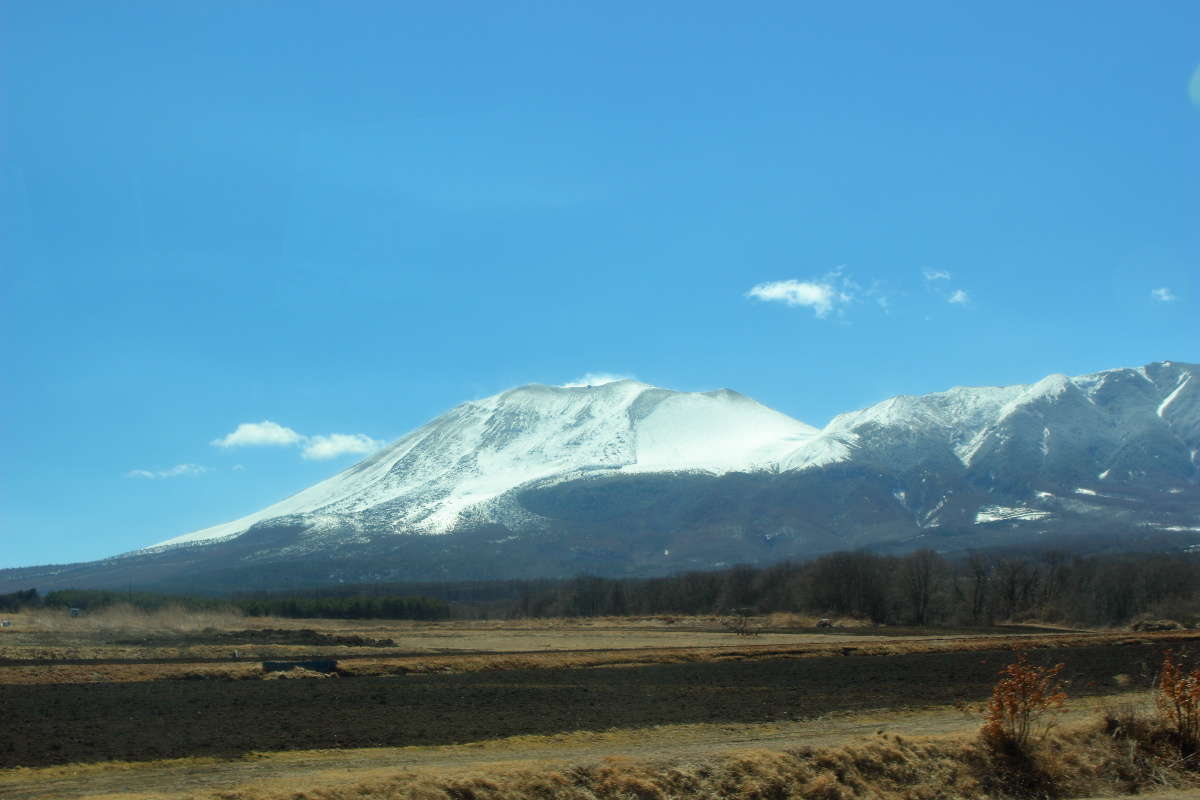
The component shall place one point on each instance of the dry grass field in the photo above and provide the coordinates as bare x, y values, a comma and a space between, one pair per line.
123, 644
741, 756
128, 704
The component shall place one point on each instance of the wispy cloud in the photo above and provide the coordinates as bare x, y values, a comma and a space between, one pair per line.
177, 471
1163, 295
878, 292
934, 279
823, 295
1194, 87
322, 448
595, 379
259, 434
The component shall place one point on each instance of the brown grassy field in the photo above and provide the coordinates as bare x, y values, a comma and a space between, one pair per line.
124, 632
882, 755
132, 696
123, 644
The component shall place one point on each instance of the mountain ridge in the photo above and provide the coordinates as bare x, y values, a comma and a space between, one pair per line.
483, 448
628, 478
452, 467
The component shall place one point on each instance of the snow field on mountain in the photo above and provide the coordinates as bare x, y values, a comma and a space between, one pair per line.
1006, 513
464, 460
480, 450
718, 432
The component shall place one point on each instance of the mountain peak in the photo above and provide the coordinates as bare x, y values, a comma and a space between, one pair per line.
481, 450
472, 464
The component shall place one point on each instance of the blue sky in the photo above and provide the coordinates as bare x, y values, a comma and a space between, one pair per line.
347, 217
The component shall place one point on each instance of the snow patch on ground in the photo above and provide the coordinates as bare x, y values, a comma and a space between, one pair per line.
1165, 404
1093, 493
819, 451
1005, 513
931, 519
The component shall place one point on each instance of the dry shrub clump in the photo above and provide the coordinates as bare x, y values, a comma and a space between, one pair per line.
1142, 752
1072, 763
1178, 702
740, 623
883, 769
1022, 700
784, 620
296, 673
1158, 749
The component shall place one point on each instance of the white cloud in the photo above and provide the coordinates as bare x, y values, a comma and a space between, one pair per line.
266, 433
238, 467
595, 379
959, 296
822, 295
1194, 87
1163, 295
322, 448
176, 471
935, 274
315, 448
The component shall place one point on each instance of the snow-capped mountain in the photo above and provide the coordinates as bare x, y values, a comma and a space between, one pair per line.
431, 479
1121, 424
628, 478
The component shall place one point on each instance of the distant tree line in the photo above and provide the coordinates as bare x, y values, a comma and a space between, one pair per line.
94, 599
921, 588
15, 601
355, 606
320, 604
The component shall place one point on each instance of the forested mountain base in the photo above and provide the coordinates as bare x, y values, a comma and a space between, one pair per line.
921, 588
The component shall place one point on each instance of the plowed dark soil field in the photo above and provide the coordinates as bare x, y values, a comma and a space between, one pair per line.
61, 723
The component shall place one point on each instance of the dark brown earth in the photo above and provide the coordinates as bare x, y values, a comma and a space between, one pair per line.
62, 723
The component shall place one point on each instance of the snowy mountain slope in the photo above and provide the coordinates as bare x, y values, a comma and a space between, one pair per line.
906, 429
480, 450
1139, 423
468, 466
1106, 426
630, 479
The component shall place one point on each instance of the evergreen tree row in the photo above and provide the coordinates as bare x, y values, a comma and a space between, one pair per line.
921, 588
